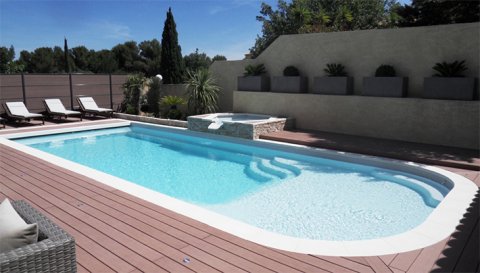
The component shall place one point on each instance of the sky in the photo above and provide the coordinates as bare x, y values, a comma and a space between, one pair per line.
224, 27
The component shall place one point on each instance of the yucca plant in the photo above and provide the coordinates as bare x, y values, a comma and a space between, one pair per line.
254, 70
449, 70
385, 70
202, 92
335, 70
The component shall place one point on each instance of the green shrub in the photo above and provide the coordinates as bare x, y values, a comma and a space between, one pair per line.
131, 91
335, 70
454, 69
385, 70
254, 70
153, 95
202, 92
291, 71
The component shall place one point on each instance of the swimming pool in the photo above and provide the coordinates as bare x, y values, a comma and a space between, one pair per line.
288, 191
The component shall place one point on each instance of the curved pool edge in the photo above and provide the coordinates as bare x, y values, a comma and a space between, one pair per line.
440, 224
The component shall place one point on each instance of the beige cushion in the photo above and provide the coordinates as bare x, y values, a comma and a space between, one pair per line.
14, 232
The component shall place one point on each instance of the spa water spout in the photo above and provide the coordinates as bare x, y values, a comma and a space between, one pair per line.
215, 125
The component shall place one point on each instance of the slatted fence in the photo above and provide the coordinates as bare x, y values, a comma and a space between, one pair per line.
106, 89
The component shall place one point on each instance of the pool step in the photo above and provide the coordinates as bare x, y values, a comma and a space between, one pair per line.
286, 164
264, 170
255, 173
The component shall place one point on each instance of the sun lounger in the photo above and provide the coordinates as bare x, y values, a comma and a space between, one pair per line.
55, 107
88, 105
18, 111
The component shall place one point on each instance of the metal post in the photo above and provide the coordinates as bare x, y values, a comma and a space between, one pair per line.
111, 92
71, 90
23, 90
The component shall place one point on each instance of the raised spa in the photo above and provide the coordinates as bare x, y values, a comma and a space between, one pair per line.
242, 125
289, 197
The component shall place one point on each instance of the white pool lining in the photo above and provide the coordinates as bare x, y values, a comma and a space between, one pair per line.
440, 224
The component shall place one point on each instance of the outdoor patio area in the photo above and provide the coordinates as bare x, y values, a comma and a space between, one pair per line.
117, 232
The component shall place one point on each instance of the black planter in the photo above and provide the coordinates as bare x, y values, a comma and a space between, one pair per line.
385, 86
333, 85
253, 83
283, 84
448, 88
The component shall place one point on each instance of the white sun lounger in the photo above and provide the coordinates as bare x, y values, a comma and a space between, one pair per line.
18, 111
55, 107
88, 105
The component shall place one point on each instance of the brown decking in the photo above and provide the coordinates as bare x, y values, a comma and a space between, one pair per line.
115, 231
422, 153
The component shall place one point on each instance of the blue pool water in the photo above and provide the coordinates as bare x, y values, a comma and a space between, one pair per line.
292, 194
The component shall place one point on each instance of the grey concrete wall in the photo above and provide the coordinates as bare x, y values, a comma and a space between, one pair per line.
226, 73
440, 122
412, 51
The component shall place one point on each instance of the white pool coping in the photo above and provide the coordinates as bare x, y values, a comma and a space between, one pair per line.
440, 224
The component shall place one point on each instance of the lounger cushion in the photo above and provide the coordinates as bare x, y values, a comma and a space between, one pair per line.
14, 232
88, 103
56, 106
19, 109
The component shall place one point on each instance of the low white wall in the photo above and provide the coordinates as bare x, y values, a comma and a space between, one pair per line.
440, 122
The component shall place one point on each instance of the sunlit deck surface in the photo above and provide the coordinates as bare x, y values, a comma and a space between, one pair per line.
117, 232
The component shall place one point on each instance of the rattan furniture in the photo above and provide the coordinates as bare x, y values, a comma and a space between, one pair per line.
54, 251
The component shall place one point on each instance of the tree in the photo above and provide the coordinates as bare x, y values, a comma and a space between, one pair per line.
25, 59
219, 58
81, 58
58, 60
150, 52
195, 61
6, 56
128, 58
66, 57
173, 68
202, 92
435, 12
307, 16
42, 60
102, 61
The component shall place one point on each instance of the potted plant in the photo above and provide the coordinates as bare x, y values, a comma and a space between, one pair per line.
449, 82
253, 79
385, 83
336, 82
290, 82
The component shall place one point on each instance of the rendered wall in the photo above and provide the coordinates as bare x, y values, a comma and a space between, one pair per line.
412, 51
440, 122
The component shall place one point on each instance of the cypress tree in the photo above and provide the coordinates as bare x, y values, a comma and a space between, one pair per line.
172, 68
65, 50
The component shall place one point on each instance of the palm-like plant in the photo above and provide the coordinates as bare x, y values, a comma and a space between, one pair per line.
202, 92
254, 70
172, 101
335, 70
454, 69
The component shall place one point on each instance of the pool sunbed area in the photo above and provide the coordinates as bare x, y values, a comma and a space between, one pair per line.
241, 230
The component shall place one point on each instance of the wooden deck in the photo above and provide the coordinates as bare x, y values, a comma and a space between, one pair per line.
117, 232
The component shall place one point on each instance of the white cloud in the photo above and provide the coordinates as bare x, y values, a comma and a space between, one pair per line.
109, 30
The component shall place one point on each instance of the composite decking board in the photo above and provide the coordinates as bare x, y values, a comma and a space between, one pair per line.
344, 262
93, 247
458, 241
84, 180
194, 253
135, 236
109, 220
404, 260
387, 259
470, 253
136, 204
378, 265
427, 257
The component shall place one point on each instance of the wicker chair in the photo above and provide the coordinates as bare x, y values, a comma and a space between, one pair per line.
54, 251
